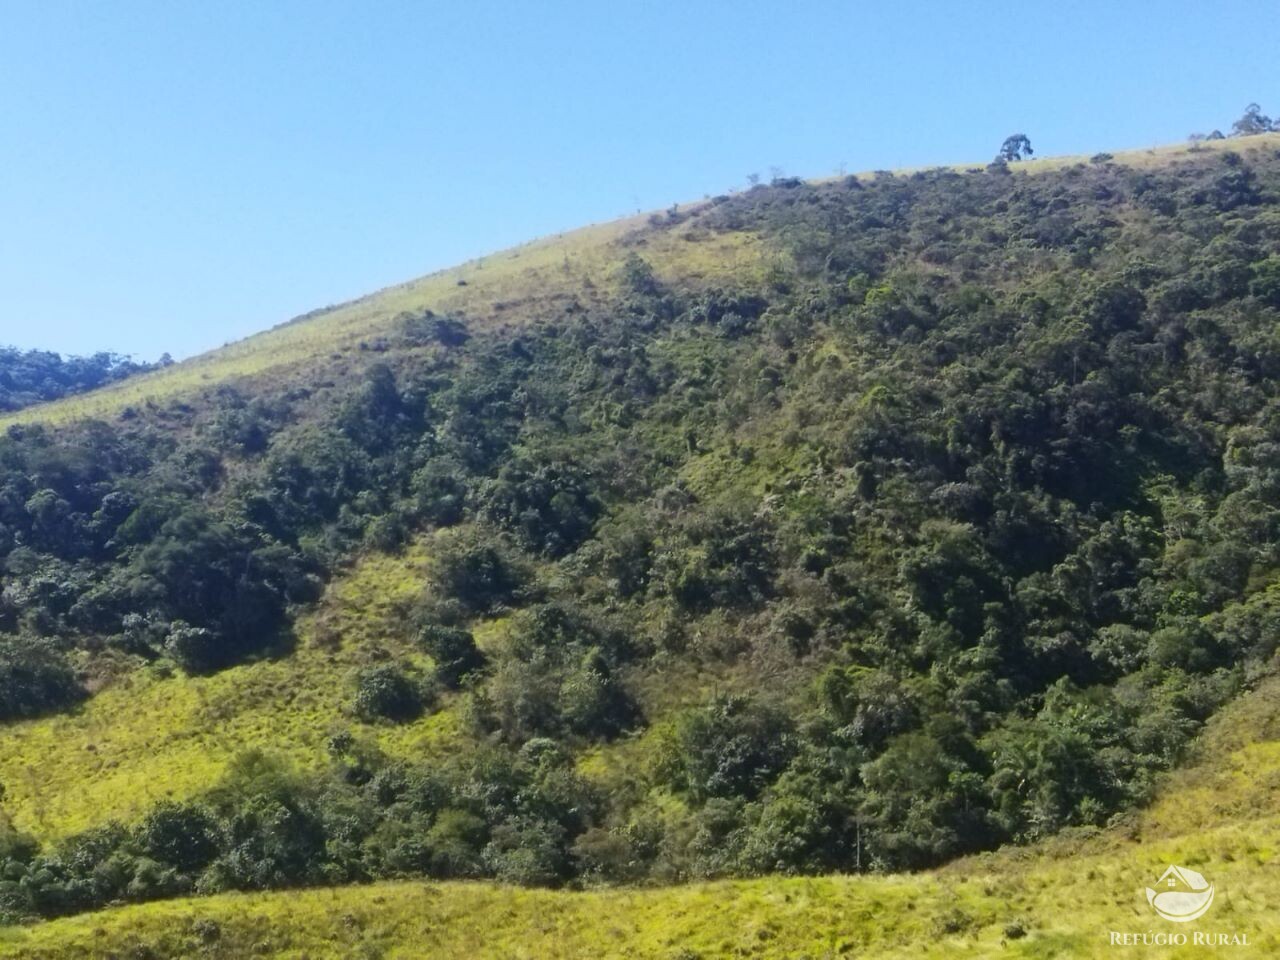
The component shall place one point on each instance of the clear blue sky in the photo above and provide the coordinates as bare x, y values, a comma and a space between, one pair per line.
176, 175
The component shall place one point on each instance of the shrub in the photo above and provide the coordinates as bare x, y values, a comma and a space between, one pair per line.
455, 841
549, 507
592, 701
186, 837
732, 747
35, 678
454, 651
478, 574
528, 851
388, 692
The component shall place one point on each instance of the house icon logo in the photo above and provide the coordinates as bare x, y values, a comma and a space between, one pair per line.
1180, 895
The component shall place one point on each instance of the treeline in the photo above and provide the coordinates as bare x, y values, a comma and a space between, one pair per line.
966, 512
1251, 123
35, 376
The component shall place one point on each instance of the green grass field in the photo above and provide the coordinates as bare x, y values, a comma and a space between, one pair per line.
151, 736
1061, 899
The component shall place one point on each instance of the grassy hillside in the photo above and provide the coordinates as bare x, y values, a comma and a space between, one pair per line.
156, 734
1060, 899
511, 286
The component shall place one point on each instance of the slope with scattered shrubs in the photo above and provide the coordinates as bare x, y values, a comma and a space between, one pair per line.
1061, 898
855, 525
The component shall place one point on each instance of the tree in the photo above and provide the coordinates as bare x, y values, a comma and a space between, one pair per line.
1253, 122
549, 507
638, 277
592, 701
387, 692
730, 747
34, 678
1015, 147
32, 376
186, 837
477, 573
454, 651
1265, 284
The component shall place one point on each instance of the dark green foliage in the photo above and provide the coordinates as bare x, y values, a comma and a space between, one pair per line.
428, 327
550, 508
593, 702
454, 651
560, 677
976, 490
479, 574
226, 591
186, 838
869, 706
1015, 147
440, 491
730, 748
638, 277
389, 692
925, 797
35, 376
1265, 284
35, 678
527, 851
718, 559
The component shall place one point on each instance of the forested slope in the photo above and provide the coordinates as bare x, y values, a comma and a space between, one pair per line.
853, 525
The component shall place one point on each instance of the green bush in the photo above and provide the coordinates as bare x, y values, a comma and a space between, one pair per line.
478, 574
35, 678
454, 651
185, 837
389, 692
731, 747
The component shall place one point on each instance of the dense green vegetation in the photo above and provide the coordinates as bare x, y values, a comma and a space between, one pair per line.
949, 531
34, 376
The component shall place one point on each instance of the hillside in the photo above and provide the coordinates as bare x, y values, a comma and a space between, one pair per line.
1062, 899
868, 524
510, 288
502, 291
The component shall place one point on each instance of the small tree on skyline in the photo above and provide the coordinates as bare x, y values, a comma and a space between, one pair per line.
1253, 122
1015, 147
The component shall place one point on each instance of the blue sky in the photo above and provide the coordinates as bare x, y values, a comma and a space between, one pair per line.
177, 175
